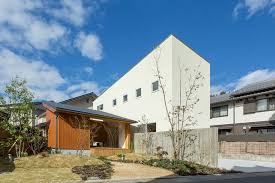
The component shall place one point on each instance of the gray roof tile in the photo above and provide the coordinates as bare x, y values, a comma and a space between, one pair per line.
220, 98
254, 87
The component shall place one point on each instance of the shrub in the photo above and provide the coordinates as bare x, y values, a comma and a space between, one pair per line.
181, 167
103, 171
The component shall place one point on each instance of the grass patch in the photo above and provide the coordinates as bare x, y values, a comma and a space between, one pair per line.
53, 168
55, 161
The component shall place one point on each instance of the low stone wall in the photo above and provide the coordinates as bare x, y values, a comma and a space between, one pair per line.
203, 149
256, 148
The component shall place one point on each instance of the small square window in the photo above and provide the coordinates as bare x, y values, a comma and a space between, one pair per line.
155, 86
114, 102
100, 107
138, 92
125, 98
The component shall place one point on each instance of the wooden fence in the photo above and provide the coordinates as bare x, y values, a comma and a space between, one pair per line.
202, 148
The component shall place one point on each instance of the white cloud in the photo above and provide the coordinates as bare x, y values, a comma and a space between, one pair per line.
40, 76
251, 7
83, 87
89, 70
251, 77
89, 45
20, 25
44, 80
72, 11
30, 27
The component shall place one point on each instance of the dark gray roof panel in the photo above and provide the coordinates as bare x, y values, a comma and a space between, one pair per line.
262, 85
80, 110
91, 94
220, 98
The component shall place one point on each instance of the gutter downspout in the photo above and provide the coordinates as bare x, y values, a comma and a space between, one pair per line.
234, 118
56, 133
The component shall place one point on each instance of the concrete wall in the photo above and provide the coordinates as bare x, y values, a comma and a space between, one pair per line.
203, 150
151, 103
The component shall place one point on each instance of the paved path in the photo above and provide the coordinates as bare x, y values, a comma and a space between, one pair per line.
246, 166
265, 177
137, 171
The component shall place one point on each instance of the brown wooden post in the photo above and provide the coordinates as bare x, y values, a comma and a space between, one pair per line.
127, 136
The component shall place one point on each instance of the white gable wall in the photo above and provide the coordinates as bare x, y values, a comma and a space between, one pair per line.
151, 103
185, 58
141, 76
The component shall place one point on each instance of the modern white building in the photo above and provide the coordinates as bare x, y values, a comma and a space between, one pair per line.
137, 93
248, 110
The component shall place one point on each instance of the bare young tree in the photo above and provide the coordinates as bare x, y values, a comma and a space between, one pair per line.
181, 116
144, 127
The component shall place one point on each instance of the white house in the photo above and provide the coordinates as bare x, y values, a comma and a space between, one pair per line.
138, 94
248, 110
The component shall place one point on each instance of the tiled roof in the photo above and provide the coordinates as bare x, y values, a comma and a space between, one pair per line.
220, 98
262, 85
80, 110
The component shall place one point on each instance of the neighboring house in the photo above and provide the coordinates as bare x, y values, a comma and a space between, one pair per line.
73, 129
250, 109
138, 93
85, 101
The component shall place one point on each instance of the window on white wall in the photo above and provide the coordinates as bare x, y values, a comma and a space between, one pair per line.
114, 102
262, 105
219, 111
100, 107
155, 86
125, 98
138, 92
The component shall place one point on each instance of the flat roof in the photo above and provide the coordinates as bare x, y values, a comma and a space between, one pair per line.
80, 110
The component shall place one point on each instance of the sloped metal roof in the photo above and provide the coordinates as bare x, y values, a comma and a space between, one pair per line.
91, 94
80, 110
255, 87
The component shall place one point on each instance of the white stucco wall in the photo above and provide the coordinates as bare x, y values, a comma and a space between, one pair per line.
254, 117
151, 103
225, 119
240, 117
185, 58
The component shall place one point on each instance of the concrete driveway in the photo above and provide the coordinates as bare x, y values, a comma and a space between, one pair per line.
246, 165
266, 177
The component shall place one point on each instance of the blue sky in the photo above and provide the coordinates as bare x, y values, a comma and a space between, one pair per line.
67, 48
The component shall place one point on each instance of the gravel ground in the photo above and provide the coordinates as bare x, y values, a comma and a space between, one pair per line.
137, 171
